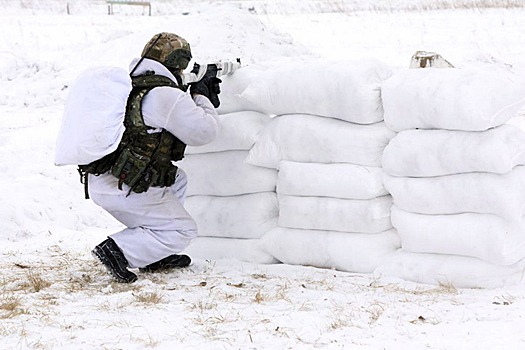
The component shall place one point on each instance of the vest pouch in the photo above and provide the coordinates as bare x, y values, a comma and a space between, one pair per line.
133, 170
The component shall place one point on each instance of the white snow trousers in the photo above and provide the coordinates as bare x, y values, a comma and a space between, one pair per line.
157, 223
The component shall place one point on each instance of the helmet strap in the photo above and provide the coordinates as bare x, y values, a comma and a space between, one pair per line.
145, 54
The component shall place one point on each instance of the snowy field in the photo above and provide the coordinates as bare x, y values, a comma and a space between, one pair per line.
53, 295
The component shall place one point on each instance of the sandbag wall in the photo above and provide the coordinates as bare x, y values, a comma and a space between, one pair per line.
455, 172
233, 203
326, 142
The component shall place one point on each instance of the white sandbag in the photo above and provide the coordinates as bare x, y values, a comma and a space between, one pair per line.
422, 153
352, 252
237, 131
459, 271
488, 193
216, 248
244, 216
334, 214
92, 123
484, 236
346, 90
314, 139
453, 99
330, 180
232, 87
225, 174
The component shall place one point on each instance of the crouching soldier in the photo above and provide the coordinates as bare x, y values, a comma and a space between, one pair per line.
137, 183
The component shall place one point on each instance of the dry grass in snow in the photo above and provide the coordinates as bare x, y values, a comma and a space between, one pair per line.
51, 298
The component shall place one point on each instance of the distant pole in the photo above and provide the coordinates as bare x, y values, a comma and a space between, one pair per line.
67, 6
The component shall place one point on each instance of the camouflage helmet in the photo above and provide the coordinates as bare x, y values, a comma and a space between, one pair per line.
169, 49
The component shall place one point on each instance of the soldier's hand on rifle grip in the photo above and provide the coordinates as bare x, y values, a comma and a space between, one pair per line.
215, 90
208, 87
199, 88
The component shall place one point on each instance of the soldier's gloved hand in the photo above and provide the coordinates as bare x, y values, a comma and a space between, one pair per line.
208, 87
215, 90
200, 88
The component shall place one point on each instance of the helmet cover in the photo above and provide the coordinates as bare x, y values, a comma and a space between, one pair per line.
169, 49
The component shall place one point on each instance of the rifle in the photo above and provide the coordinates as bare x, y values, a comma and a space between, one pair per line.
210, 70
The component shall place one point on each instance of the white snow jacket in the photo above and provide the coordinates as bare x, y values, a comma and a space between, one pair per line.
193, 121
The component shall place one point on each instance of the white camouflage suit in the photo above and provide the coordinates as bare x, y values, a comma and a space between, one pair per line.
157, 223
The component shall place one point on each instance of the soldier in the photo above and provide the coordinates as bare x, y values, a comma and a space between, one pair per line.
138, 184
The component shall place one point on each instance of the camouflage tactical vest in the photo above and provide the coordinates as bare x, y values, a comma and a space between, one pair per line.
142, 159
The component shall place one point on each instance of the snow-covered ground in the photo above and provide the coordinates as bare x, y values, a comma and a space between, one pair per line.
53, 295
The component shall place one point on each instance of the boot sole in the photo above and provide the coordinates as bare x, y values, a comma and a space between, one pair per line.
182, 262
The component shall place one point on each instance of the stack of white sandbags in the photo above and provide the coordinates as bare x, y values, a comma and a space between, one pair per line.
326, 141
454, 172
233, 203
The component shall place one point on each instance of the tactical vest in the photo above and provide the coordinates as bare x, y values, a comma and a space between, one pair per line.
143, 157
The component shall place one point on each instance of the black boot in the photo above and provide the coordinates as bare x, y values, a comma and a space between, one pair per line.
169, 262
111, 256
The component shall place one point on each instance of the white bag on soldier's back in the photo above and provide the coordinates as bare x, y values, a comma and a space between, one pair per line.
92, 124
346, 90
422, 153
452, 99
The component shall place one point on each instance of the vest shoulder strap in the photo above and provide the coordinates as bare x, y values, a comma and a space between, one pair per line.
150, 80
142, 84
